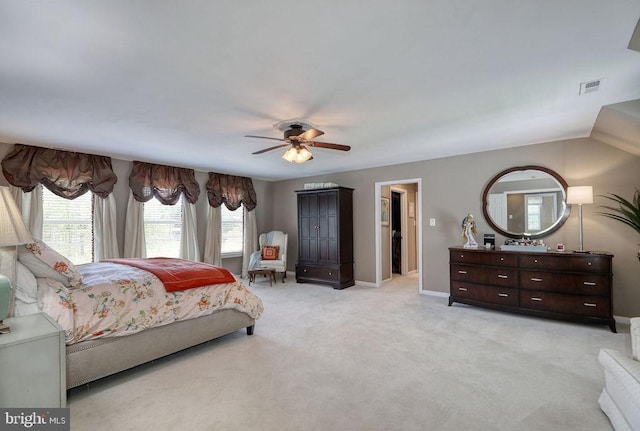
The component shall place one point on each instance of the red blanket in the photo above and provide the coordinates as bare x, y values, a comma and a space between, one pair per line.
180, 274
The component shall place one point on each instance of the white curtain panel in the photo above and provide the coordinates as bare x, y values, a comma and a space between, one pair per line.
213, 242
134, 242
189, 237
250, 239
30, 205
104, 226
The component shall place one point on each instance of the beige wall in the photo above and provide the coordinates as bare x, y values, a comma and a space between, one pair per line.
452, 187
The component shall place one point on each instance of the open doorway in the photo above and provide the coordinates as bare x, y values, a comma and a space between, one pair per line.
398, 256
399, 230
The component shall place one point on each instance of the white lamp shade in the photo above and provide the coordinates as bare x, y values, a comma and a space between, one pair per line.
297, 154
12, 228
579, 195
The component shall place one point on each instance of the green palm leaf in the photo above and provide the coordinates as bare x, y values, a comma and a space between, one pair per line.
627, 211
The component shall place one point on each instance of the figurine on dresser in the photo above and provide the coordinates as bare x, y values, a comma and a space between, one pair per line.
468, 230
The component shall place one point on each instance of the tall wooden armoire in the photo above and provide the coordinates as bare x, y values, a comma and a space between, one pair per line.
325, 237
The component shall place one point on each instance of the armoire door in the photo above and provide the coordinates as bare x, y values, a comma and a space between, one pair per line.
308, 227
327, 227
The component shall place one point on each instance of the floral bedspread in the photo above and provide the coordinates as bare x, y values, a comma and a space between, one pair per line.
116, 300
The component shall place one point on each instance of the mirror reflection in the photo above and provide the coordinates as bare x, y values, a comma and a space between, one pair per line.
526, 201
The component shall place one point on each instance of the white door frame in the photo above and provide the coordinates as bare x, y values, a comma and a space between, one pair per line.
378, 227
404, 251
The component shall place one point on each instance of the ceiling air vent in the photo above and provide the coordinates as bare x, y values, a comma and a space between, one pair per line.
590, 86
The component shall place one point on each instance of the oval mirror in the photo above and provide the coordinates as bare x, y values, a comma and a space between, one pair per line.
526, 201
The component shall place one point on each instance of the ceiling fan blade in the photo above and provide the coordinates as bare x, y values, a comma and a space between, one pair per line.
271, 148
328, 145
310, 134
263, 137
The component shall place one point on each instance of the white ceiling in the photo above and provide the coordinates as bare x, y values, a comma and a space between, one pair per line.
181, 82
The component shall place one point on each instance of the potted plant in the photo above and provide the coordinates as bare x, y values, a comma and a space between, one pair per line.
627, 212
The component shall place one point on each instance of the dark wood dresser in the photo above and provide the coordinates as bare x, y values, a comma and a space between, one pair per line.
325, 237
569, 286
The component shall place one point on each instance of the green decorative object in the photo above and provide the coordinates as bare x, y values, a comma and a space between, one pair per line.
627, 212
5, 302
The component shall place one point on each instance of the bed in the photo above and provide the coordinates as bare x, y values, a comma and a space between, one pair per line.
122, 313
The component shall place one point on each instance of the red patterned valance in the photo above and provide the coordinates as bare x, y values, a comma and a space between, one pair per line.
231, 190
65, 173
164, 182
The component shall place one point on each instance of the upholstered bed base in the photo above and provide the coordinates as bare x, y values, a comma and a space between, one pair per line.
92, 360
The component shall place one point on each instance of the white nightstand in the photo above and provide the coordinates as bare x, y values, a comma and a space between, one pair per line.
33, 363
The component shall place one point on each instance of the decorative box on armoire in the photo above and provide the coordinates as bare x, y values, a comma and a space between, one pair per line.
325, 237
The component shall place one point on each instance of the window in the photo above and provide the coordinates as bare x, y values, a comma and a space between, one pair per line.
534, 213
162, 228
67, 225
232, 231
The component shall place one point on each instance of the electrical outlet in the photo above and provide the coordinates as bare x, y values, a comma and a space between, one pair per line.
432, 222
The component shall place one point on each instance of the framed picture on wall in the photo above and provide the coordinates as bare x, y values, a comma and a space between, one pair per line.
384, 211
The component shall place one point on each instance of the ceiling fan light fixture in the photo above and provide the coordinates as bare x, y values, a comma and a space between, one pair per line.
297, 154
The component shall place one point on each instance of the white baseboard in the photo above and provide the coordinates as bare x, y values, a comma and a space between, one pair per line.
365, 283
435, 293
622, 319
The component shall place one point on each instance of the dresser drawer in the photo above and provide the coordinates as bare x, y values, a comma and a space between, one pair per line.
584, 284
502, 259
317, 273
475, 257
501, 276
464, 256
472, 274
576, 263
494, 295
595, 306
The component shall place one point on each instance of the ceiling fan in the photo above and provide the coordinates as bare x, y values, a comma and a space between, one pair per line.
299, 139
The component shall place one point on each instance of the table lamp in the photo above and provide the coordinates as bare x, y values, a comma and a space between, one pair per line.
12, 233
580, 195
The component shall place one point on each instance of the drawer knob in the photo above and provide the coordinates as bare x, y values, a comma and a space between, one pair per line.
589, 263
502, 276
588, 283
304, 270
504, 295
464, 289
502, 259
590, 304
536, 299
331, 273
462, 272
537, 280
535, 260
462, 255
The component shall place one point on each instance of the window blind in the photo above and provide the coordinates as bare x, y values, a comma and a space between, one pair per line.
232, 230
67, 225
162, 228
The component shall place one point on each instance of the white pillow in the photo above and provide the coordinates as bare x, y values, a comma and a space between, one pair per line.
26, 284
54, 260
38, 268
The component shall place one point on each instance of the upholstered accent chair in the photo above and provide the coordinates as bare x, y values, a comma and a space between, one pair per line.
620, 398
269, 257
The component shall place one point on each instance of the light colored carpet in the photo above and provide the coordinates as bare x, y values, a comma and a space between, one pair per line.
365, 359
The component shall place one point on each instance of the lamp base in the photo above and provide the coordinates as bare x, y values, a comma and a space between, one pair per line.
4, 329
